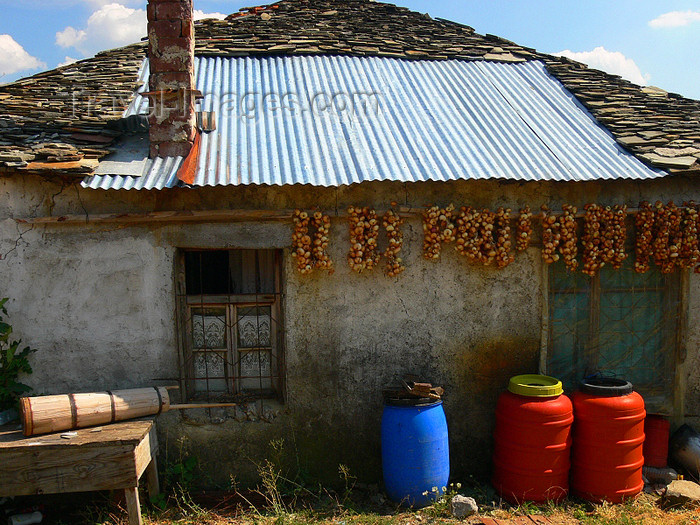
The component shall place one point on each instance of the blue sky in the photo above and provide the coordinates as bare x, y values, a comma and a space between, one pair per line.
647, 41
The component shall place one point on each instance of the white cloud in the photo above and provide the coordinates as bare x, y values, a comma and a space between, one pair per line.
612, 62
14, 58
201, 15
102, 3
112, 25
69, 37
675, 19
67, 60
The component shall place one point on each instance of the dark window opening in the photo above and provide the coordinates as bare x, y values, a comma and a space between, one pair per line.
212, 272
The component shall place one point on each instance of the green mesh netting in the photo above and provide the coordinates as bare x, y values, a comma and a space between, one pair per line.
619, 323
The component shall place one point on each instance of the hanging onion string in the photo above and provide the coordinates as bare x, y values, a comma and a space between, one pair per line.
364, 231
301, 242
524, 231
392, 224
321, 258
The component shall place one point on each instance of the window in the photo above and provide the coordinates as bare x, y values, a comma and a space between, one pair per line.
618, 323
230, 315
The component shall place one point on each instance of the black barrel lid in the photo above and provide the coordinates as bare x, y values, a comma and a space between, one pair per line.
606, 386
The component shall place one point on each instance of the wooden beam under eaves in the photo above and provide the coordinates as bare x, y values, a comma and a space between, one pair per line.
234, 215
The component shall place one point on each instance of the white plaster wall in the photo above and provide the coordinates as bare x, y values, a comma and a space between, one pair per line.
98, 307
98, 303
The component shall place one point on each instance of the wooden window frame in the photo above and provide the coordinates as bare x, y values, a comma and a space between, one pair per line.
185, 304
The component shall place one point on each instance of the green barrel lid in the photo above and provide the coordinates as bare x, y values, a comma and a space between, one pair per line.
534, 385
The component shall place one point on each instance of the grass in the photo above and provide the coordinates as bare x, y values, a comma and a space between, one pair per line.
347, 506
284, 498
642, 510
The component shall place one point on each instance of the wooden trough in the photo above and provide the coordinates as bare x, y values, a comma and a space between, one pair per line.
45, 414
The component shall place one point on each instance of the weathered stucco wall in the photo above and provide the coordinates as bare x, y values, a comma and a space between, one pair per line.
98, 303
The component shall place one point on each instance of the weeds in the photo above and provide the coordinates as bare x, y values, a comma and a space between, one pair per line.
285, 497
13, 364
180, 473
186, 509
349, 482
443, 500
184, 504
281, 489
270, 477
178, 479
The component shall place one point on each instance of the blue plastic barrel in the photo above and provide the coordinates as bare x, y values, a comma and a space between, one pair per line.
415, 451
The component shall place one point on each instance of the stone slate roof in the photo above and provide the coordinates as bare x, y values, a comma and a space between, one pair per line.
40, 131
55, 122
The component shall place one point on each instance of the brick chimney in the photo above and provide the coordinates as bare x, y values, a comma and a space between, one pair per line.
171, 83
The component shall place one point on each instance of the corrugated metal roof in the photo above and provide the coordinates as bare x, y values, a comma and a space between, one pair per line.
335, 120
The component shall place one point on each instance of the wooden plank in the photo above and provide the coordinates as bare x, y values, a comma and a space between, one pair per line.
545, 333
152, 479
680, 349
234, 215
187, 406
249, 271
144, 453
217, 300
165, 217
123, 433
38, 470
182, 329
267, 271
133, 506
111, 457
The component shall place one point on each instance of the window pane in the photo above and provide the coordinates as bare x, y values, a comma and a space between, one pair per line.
255, 370
255, 364
626, 277
562, 279
252, 271
206, 272
254, 326
210, 372
208, 328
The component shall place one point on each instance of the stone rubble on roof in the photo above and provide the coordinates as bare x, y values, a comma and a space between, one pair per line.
662, 129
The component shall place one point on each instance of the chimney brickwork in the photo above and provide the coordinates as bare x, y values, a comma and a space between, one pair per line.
172, 124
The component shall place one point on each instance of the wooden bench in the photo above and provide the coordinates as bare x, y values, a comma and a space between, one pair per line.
102, 458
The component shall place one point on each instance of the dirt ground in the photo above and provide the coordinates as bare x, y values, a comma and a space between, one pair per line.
325, 507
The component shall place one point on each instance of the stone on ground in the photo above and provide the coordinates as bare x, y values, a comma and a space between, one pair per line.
463, 506
682, 493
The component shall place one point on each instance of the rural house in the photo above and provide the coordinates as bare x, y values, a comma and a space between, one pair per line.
148, 206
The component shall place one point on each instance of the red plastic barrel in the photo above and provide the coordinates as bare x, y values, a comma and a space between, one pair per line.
532, 441
656, 432
608, 438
